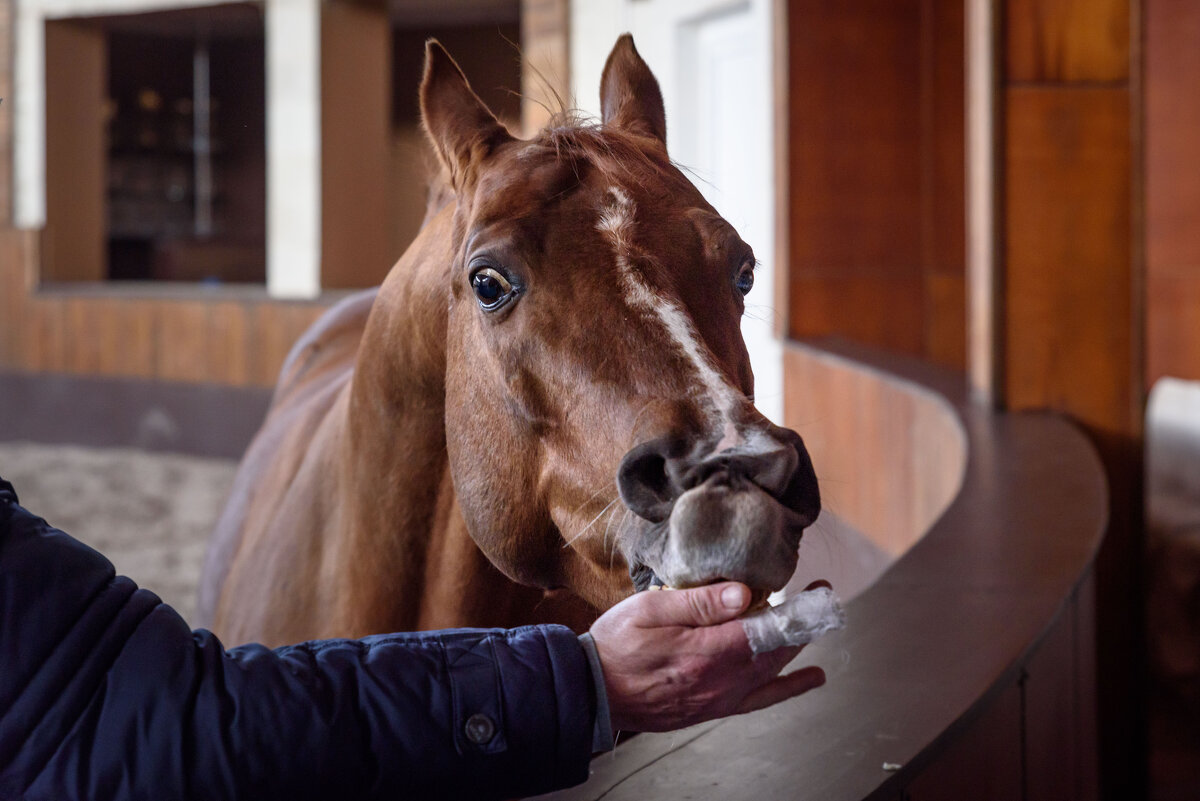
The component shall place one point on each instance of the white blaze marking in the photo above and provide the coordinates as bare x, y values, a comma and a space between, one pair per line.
616, 221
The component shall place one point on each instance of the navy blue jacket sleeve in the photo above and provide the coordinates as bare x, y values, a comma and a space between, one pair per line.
106, 694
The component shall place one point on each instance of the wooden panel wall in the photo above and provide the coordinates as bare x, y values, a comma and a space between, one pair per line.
76, 85
1057, 41
875, 174
860, 422
356, 91
229, 338
1071, 296
1172, 115
1068, 282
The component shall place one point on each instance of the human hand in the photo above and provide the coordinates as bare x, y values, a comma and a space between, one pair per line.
673, 659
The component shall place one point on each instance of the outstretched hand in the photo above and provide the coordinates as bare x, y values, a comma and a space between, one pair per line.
673, 659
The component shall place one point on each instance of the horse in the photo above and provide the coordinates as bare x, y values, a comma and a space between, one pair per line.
545, 407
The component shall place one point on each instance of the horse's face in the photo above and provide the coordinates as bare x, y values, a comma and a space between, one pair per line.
598, 413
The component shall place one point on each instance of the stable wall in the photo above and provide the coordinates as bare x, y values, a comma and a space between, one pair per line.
193, 334
76, 84
1172, 31
874, 171
858, 421
356, 55
1069, 302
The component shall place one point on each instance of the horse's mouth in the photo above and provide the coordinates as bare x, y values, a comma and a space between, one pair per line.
758, 597
720, 531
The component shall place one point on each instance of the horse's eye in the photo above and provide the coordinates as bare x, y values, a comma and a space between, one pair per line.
745, 280
491, 288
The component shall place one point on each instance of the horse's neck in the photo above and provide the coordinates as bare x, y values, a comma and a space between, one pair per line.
393, 460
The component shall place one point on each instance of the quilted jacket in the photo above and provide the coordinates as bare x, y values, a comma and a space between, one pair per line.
105, 693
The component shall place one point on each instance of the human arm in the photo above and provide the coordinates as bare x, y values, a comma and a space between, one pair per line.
106, 694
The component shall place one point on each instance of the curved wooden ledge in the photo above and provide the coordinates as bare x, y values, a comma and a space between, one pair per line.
965, 671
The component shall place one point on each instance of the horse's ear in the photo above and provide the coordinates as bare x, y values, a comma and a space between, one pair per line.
462, 129
629, 93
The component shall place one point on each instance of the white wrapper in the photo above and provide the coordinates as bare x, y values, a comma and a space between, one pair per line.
800, 619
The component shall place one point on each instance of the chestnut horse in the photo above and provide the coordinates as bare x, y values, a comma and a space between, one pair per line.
549, 397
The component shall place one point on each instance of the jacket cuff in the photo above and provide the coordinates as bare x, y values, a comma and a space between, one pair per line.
602, 733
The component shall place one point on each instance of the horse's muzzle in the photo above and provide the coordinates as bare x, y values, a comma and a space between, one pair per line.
737, 514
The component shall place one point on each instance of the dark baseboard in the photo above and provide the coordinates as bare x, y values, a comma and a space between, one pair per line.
198, 419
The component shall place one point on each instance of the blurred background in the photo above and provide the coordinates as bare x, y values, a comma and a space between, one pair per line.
1003, 190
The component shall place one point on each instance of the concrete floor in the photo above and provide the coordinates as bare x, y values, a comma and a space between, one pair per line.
149, 513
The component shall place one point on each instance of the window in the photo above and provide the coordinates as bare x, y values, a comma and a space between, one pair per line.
171, 105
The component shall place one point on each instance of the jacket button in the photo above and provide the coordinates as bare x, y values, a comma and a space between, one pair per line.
479, 728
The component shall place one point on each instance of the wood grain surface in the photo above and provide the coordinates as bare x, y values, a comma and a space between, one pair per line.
195, 334
1172, 118
874, 161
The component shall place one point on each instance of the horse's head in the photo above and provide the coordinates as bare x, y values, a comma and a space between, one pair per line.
598, 391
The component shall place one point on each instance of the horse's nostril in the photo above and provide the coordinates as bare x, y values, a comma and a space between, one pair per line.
644, 482
656, 473
653, 472
770, 471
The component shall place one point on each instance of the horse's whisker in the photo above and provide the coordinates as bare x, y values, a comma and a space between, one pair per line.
607, 528
612, 552
592, 497
594, 519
